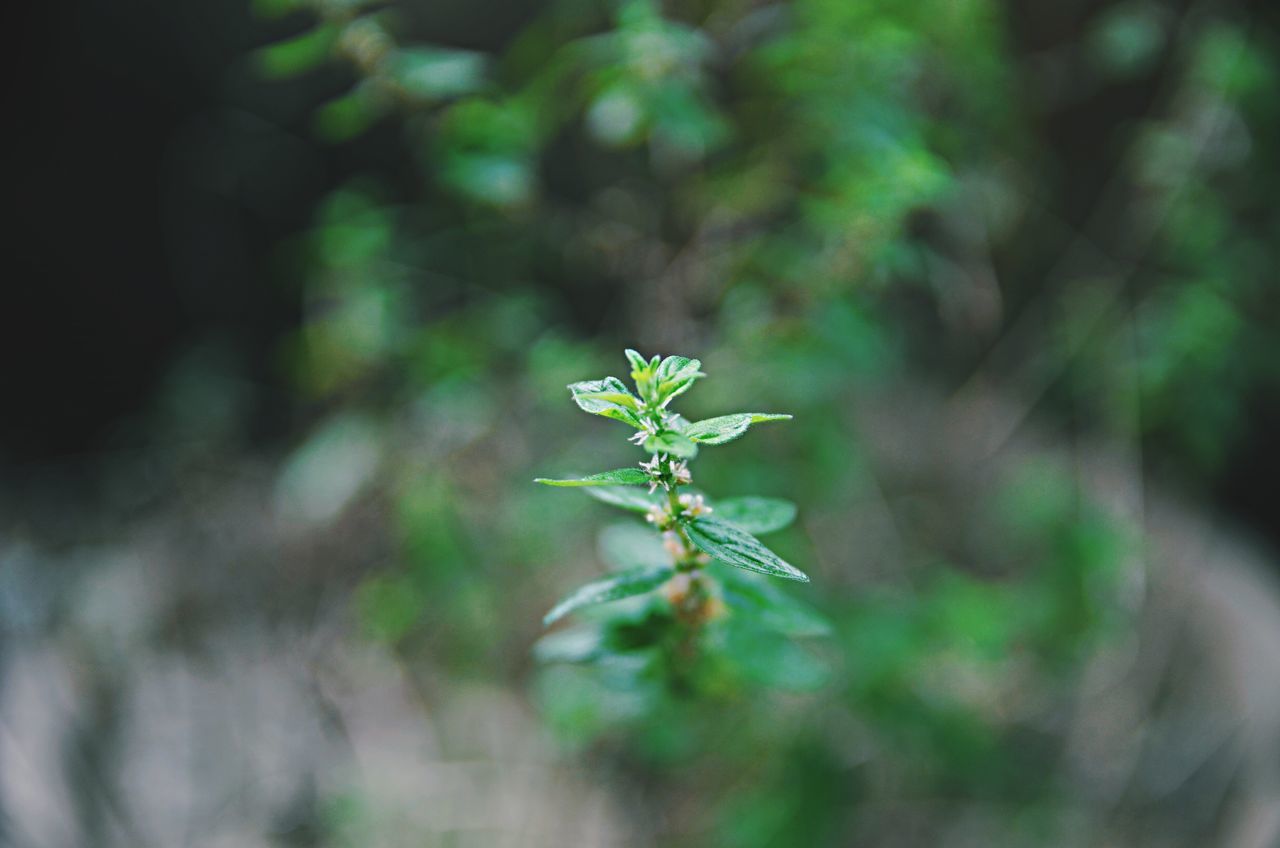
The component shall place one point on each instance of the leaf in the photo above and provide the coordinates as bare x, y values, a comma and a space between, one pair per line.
494, 179
623, 497
673, 443
632, 546
756, 515
735, 546
607, 397
578, 644
350, 115
638, 363
297, 55
617, 477
674, 376
726, 428
676, 422
769, 605
434, 72
768, 660
624, 584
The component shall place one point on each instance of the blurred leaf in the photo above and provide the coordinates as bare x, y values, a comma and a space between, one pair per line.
491, 178
624, 498
726, 428
434, 73
578, 644
1127, 40
299, 54
772, 660
616, 116
276, 8
350, 115
763, 601
756, 515
619, 476
389, 606
672, 443
733, 545
624, 584
329, 469
632, 546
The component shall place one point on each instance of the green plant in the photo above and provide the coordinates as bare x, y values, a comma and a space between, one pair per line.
705, 569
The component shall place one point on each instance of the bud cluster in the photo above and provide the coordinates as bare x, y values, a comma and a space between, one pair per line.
665, 473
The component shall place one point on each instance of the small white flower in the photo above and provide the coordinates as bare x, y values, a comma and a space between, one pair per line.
671, 542
654, 469
638, 437
680, 473
656, 515
693, 506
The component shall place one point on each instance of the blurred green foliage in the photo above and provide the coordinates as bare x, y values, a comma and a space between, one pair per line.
809, 195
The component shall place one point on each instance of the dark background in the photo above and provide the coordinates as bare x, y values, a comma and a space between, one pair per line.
154, 184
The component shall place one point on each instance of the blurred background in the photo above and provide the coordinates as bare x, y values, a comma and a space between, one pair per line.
295, 289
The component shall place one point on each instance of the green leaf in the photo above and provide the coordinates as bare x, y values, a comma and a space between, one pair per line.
578, 644
735, 546
607, 397
756, 515
299, 54
676, 422
624, 584
350, 115
674, 377
617, 477
770, 661
637, 361
433, 72
726, 428
623, 497
769, 605
673, 443
632, 546
494, 179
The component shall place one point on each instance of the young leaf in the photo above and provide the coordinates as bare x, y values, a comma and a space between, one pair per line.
674, 377
624, 584
637, 361
726, 428
623, 497
735, 546
769, 605
617, 477
607, 397
673, 443
756, 515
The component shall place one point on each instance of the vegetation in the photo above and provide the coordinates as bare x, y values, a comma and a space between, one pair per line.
693, 607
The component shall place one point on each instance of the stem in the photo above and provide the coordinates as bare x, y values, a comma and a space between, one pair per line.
688, 562
692, 600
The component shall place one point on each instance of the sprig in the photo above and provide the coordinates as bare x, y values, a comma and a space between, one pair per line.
696, 532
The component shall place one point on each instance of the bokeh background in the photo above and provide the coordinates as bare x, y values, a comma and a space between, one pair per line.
293, 291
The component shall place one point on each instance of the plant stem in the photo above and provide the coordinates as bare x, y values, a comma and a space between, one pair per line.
688, 562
